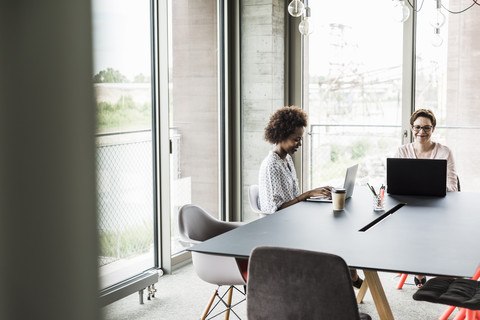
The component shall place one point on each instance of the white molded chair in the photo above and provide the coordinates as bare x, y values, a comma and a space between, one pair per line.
195, 225
253, 197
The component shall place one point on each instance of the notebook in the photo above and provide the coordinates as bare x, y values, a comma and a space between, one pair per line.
419, 177
348, 185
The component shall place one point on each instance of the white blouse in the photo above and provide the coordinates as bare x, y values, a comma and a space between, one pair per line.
277, 182
439, 152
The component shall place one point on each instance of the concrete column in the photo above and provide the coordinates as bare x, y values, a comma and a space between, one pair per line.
262, 81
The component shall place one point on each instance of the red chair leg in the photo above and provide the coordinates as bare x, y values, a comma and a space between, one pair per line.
402, 280
447, 313
461, 314
477, 274
470, 314
450, 309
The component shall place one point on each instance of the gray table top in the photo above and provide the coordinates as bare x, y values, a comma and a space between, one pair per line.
427, 235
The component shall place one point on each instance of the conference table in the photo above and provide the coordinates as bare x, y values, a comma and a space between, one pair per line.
435, 236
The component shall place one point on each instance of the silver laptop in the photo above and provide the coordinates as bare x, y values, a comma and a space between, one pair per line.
348, 185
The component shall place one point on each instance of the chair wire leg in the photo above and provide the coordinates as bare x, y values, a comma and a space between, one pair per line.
224, 300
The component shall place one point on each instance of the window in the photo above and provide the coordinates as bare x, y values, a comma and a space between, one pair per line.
446, 78
354, 78
125, 174
354, 91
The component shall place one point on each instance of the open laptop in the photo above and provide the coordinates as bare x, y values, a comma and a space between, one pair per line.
348, 185
419, 177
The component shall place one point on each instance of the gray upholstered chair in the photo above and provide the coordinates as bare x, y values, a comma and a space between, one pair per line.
462, 293
195, 225
298, 284
253, 197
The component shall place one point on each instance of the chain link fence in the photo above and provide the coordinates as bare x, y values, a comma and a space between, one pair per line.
125, 196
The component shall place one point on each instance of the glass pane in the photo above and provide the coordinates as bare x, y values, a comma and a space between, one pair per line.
354, 90
446, 82
122, 64
193, 109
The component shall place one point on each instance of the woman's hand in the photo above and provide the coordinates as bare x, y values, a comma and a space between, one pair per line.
320, 192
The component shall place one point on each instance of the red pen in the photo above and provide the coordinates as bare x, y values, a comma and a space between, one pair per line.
382, 192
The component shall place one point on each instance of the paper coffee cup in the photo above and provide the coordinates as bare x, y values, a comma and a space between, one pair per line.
338, 199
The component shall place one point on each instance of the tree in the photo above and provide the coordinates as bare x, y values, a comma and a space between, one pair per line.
109, 76
141, 78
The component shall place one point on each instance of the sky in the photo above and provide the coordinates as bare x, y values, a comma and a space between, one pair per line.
121, 36
372, 27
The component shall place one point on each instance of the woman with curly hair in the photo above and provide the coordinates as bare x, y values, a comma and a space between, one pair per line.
278, 183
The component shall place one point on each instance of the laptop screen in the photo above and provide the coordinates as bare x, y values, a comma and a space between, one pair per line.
425, 177
349, 183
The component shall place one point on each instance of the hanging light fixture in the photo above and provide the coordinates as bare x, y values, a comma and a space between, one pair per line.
306, 27
437, 39
437, 19
400, 11
296, 8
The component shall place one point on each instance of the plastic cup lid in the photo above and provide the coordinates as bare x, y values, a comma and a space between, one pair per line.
338, 190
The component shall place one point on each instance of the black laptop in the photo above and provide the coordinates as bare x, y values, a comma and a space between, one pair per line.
419, 177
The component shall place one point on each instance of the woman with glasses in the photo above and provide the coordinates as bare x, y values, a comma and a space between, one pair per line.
423, 124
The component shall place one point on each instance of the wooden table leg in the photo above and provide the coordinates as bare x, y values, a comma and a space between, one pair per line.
363, 290
378, 295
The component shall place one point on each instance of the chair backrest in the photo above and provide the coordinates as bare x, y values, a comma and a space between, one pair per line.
253, 197
195, 225
298, 284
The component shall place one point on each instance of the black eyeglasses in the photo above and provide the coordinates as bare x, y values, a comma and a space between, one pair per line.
424, 128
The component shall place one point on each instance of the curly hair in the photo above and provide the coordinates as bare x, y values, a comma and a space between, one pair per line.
425, 113
283, 123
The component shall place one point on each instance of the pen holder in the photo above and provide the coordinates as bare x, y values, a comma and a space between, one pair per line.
378, 203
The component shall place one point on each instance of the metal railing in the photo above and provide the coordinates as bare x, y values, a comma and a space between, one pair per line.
334, 147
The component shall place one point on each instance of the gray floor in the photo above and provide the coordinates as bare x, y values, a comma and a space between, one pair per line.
182, 295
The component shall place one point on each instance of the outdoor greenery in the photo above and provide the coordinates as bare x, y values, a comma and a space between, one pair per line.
109, 76
125, 113
361, 151
124, 244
